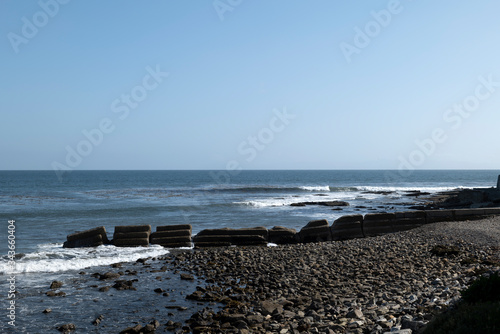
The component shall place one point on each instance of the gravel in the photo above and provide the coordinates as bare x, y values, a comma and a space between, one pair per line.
369, 285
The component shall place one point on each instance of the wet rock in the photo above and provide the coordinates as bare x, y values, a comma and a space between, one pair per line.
270, 307
415, 326
187, 277
176, 307
443, 250
56, 285
155, 323
171, 325
98, 320
124, 285
66, 328
132, 330
55, 294
47, 310
400, 331
356, 313
109, 275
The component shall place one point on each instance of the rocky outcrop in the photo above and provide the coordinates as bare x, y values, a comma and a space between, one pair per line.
66, 328
315, 231
132, 236
257, 236
172, 236
466, 199
89, 238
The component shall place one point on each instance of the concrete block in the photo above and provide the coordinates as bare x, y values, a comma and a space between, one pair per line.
468, 214
347, 227
492, 211
435, 216
404, 224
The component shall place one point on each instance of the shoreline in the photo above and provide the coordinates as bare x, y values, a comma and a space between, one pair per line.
371, 284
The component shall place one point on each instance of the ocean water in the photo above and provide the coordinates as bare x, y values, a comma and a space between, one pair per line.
46, 209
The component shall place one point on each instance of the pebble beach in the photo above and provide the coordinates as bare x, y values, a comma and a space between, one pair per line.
392, 282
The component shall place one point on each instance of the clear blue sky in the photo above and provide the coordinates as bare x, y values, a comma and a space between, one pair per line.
356, 84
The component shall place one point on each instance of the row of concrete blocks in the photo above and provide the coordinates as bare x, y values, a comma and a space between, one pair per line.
346, 227
171, 236
375, 224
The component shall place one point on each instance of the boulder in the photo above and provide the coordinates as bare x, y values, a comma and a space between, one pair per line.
56, 285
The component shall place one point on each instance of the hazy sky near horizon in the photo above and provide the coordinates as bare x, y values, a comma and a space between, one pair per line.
230, 84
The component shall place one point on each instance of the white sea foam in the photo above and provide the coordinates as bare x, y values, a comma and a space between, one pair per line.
403, 189
54, 258
287, 200
315, 188
266, 203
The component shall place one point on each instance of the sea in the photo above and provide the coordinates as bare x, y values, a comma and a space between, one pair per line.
38, 209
